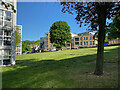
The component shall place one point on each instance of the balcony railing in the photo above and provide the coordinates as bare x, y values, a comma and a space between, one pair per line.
7, 43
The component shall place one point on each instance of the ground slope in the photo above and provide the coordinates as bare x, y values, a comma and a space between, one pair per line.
62, 69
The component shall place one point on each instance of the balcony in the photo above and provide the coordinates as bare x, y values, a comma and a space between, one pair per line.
7, 43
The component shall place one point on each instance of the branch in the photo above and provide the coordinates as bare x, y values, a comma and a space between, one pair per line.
7, 5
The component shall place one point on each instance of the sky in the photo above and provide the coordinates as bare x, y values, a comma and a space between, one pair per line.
36, 18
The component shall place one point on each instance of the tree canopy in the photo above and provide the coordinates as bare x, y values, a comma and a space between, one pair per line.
94, 15
7, 5
26, 45
114, 30
60, 34
89, 12
18, 38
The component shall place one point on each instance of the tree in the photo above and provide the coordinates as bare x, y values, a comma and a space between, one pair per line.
25, 47
114, 31
93, 14
18, 38
60, 34
7, 5
37, 42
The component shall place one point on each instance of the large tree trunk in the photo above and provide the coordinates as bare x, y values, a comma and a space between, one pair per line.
100, 49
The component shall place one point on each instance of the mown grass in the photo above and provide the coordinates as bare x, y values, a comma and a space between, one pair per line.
62, 69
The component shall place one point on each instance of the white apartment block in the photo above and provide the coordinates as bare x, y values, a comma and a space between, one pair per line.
7, 34
19, 46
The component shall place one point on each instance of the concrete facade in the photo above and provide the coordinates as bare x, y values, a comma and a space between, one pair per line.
85, 40
77, 41
7, 34
19, 46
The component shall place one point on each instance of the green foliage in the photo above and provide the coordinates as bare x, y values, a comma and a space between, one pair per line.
37, 42
60, 34
7, 5
106, 39
26, 45
114, 31
18, 37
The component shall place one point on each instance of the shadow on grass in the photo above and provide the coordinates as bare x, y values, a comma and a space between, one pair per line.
49, 73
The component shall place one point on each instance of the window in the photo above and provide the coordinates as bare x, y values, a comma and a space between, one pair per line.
80, 43
68, 45
76, 39
46, 35
90, 42
0, 52
90, 38
1, 22
1, 13
76, 43
1, 32
86, 43
47, 42
51, 45
93, 43
0, 62
8, 16
6, 52
7, 33
46, 38
8, 24
86, 38
0, 42
81, 38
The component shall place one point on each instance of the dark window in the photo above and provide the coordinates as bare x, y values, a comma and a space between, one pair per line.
81, 38
90, 42
68, 45
76, 43
46, 35
93, 43
6, 61
86, 43
76, 39
80, 43
8, 16
90, 38
86, 38
6, 42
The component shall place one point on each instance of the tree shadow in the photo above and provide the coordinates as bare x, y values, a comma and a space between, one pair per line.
48, 73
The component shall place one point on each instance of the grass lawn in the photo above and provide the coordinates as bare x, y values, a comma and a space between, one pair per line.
62, 69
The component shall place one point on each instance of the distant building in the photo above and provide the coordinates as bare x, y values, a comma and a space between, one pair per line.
77, 41
19, 46
45, 44
114, 41
85, 40
72, 41
7, 34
